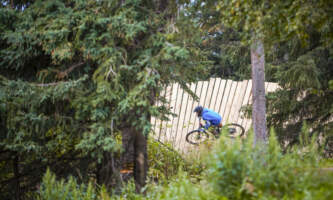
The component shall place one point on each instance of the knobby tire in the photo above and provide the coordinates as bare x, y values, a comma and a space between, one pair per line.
196, 133
240, 129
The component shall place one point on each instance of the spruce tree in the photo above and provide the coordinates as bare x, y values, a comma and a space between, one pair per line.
75, 74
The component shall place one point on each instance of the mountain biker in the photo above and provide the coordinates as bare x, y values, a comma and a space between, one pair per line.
210, 117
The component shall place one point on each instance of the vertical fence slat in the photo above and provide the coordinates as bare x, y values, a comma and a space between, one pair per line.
243, 102
161, 125
188, 113
249, 121
201, 100
180, 119
238, 101
190, 122
174, 110
196, 103
217, 91
177, 110
167, 123
154, 120
191, 119
220, 93
227, 101
210, 93
231, 107
266, 86
207, 92
272, 87
246, 100
224, 99
156, 123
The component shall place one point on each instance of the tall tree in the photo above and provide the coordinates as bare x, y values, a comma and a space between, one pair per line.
300, 26
258, 91
233, 15
76, 73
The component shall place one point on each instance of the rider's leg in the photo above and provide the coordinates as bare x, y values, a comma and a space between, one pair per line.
219, 128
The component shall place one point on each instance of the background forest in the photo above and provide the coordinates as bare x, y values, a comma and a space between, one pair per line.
79, 82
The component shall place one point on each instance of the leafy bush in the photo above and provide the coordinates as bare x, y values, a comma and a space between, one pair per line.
240, 171
232, 169
51, 189
164, 161
181, 187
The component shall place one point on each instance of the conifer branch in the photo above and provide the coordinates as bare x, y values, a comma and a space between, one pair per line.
63, 74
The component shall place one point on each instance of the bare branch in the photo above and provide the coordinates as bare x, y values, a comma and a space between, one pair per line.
50, 84
63, 74
110, 70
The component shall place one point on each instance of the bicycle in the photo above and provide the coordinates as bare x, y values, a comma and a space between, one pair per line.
200, 135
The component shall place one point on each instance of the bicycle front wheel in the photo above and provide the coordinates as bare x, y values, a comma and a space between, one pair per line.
234, 130
196, 137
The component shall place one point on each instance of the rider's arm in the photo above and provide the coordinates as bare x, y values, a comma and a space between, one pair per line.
206, 118
208, 124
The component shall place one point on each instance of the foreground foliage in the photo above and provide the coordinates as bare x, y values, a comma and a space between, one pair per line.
164, 162
233, 170
239, 171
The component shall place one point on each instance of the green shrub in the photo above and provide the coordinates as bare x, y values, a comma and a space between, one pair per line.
51, 189
181, 187
233, 169
240, 171
164, 162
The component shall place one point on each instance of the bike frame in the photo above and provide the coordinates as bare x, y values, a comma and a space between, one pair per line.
216, 129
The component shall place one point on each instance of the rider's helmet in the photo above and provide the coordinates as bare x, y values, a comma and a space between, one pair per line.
198, 110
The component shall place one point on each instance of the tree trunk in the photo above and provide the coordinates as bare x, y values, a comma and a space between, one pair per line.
128, 154
107, 171
134, 157
258, 92
141, 163
17, 177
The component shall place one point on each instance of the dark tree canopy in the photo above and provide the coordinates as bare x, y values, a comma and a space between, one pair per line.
74, 73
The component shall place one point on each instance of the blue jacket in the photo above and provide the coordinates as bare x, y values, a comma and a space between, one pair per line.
211, 118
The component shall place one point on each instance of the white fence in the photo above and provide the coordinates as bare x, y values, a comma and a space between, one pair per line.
223, 96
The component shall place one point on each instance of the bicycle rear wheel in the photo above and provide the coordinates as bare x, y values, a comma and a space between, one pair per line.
196, 137
234, 130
